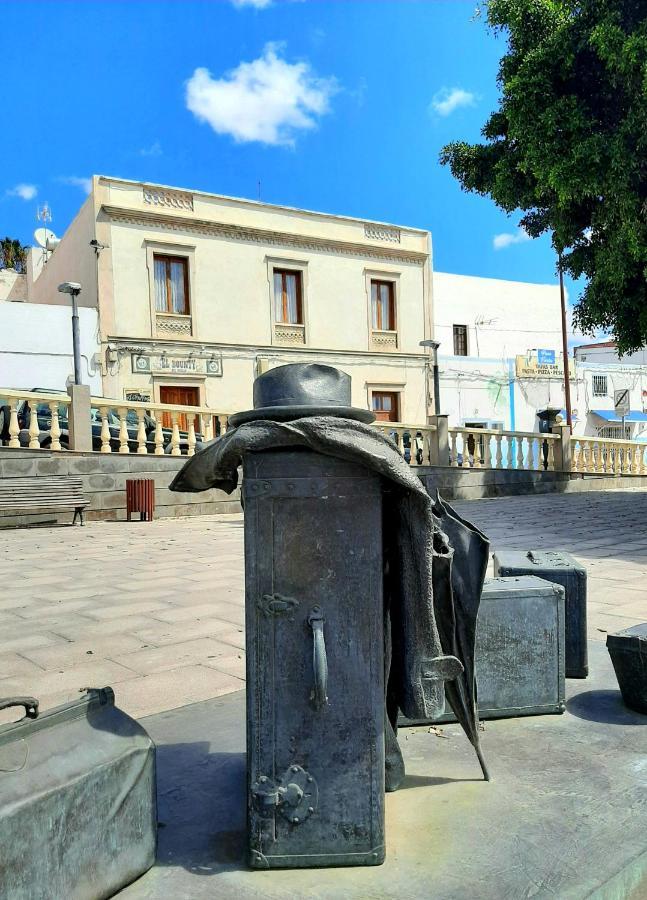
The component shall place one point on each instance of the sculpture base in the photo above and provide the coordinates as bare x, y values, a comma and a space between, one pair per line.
565, 808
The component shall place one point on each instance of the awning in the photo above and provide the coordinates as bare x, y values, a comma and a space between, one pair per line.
610, 415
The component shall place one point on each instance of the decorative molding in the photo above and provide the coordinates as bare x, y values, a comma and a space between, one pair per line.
384, 340
382, 233
173, 324
155, 219
289, 334
171, 199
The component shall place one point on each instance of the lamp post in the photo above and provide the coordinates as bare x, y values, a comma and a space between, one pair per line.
74, 289
433, 347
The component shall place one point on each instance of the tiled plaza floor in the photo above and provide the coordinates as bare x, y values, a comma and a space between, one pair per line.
156, 609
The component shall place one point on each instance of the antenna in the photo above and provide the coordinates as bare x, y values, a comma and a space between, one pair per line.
44, 213
259, 190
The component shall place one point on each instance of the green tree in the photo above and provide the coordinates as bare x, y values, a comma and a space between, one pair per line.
12, 254
568, 147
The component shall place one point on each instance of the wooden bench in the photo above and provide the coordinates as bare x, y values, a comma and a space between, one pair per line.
43, 493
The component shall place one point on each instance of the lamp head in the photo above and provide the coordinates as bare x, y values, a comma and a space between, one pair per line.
69, 287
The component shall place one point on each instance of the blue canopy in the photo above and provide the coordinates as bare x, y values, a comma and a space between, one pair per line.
610, 415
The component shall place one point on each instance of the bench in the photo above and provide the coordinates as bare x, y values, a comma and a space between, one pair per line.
43, 493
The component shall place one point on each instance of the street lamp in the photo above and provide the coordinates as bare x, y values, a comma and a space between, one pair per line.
433, 347
74, 289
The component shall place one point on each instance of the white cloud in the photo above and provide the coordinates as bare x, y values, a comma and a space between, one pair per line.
257, 4
501, 241
24, 191
447, 100
155, 149
75, 181
266, 100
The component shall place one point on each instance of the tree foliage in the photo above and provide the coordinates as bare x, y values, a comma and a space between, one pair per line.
568, 146
12, 254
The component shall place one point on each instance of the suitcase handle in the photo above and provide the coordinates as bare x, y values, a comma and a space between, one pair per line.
319, 695
30, 704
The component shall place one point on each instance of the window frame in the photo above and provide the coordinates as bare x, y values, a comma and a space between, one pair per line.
390, 283
459, 336
284, 272
168, 259
595, 382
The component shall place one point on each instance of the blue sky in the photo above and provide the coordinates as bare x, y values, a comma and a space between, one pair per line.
335, 106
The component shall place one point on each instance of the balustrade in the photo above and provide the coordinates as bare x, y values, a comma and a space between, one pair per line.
40, 420
118, 427
607, 456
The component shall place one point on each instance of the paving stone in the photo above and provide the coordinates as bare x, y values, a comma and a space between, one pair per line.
173, 656
173, 688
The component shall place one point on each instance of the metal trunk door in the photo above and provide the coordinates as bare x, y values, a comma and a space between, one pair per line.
315, 661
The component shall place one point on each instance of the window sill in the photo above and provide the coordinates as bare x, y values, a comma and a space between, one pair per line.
285, 333
384, 340
173, 325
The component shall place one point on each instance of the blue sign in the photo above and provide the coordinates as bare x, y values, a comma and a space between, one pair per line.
546, 357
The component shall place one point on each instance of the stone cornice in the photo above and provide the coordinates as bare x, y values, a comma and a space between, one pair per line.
168, 221
135, 344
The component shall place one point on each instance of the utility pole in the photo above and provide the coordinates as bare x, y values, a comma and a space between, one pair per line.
433, 346
74, 289
567, 374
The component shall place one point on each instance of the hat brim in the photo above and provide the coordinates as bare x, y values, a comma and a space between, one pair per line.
286, 413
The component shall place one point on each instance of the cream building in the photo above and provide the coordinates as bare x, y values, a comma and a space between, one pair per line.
198, 293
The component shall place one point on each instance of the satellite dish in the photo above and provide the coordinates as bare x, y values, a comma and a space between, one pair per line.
43, 236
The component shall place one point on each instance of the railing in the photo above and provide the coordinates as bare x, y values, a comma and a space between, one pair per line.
413, 441
58, 406
607, 456
128, 427
483, 448
160, 428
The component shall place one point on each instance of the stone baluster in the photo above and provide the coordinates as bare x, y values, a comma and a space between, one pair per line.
159, 436
465, 449
105, 431
191, 450
55, 427
509, 452
487, 451
520, 453
498, 451
454, 448
550, 461
14, 427
141, 433
207, 427
175, 435
34, 428
599, 458
223, 422
123, 430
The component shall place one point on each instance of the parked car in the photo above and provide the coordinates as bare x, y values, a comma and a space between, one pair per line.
44, 415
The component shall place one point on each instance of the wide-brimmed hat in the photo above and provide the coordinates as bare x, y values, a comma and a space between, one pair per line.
298, 390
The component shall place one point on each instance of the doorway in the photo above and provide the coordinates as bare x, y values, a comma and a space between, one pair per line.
179, 396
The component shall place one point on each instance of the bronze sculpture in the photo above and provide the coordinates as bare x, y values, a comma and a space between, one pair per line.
431, 566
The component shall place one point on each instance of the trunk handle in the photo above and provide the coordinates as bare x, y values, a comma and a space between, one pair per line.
319, 694
30, 704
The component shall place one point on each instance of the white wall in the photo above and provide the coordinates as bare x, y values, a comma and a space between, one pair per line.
516, 316
36, 346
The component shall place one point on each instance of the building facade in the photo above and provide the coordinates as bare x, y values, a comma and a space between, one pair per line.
197, 294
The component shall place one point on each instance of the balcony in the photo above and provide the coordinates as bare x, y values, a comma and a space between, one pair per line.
289, 335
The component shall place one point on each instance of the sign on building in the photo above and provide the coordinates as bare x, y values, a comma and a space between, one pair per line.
621, 402
532, 366
165, 364
546, 357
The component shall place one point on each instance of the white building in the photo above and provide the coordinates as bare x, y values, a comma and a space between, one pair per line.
36, 340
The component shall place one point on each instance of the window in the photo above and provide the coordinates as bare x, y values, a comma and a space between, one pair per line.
382, 305
171, 285
460, 340
385, 406
599, 385
288, 297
